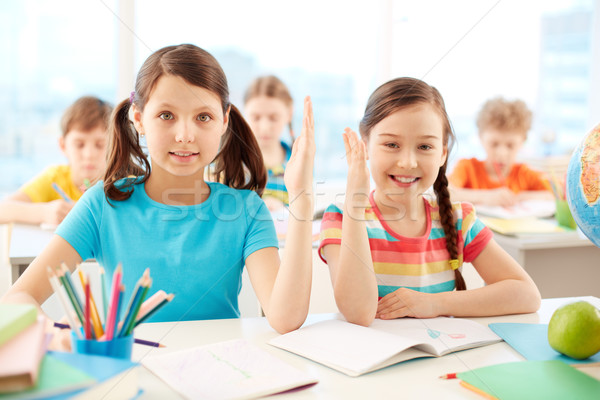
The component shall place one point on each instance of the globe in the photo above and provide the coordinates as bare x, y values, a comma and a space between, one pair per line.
583, 185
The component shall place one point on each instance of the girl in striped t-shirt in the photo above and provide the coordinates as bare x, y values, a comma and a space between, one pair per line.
397, 252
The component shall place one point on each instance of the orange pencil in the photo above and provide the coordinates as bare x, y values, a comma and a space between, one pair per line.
95, 317
477, 390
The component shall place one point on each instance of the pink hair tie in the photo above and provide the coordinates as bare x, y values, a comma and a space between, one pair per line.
132, 97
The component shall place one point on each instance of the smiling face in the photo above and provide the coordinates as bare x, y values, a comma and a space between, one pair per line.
268, 117
183, 125
86, 153
501, 148
406, 150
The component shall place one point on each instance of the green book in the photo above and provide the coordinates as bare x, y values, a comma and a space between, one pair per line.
533, 380
14, 318
55, 378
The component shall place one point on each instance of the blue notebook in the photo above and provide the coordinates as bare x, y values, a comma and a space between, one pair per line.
115, 378
531, 341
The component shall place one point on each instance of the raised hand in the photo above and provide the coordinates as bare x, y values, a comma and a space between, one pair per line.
358, 184
298, 176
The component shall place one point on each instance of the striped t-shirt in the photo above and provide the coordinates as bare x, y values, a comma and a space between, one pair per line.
275, 184
418, 263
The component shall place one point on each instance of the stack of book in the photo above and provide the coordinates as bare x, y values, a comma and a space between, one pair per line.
22, 346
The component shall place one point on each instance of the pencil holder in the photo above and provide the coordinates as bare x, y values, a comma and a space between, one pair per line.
118, 348
563, 215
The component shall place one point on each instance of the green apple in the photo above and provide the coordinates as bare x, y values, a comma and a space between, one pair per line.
574, 330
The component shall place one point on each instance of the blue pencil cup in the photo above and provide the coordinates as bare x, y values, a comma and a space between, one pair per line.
118, 348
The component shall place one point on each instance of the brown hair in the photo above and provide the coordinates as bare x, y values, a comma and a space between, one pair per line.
270, 86
402, 93
85, 114
503, 115
239, 162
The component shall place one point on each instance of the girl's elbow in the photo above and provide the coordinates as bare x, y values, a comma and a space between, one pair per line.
283, 327
362, 320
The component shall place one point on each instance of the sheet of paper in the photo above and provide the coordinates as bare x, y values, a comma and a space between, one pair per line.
233, 369
530, 208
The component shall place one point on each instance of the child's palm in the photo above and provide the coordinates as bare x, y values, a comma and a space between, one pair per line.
358, 186
298, 175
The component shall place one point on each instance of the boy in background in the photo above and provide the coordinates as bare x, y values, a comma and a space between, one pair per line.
499, 180
48, 197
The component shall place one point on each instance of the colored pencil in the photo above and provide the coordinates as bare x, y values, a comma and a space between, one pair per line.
118, 315
72, 295
150, 303
449, 376
63, 301
114, 300
86, 313
94, 316
138, 341
477, 390
104, 295
61, 192
145, 287
133, 304
155, 309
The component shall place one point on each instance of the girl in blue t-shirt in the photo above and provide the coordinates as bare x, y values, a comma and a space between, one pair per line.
194, 236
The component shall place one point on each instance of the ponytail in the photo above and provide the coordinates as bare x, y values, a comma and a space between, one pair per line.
125, 155
440, 187
239, 163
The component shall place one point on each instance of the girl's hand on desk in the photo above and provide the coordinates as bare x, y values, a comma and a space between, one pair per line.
406, 303
55, 211
298, 176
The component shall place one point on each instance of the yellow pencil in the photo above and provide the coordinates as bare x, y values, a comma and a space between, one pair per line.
477, 390
95, 317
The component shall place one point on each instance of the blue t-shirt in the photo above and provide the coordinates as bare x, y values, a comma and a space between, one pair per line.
196, 252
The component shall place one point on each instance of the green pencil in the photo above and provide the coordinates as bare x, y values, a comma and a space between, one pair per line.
71, 294
104, 295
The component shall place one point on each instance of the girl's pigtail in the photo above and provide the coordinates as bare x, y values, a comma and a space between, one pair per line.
447, 219
125, 155
239, 163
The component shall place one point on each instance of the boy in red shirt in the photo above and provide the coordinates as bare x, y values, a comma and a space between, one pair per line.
499, 180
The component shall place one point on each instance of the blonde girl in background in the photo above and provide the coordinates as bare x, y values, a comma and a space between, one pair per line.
194, 236
397, 252
268, 107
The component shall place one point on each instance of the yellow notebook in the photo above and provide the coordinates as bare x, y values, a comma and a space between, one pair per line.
518, 226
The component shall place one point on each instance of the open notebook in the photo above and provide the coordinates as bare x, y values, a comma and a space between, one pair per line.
234, 369
356, 350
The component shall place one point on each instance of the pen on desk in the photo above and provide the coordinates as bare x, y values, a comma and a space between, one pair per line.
61, 192
449, 376
138, 341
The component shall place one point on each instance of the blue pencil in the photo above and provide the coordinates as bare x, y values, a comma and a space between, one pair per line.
61, 192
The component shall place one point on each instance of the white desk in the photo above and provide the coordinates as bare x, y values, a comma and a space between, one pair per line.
561, 265
27, 241
416, 379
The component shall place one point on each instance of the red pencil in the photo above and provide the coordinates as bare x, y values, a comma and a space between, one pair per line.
449, 376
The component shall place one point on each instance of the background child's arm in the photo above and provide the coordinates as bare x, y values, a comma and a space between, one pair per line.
535, 195
508, 290
503, 196
19, 208
350, 264
284, 290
